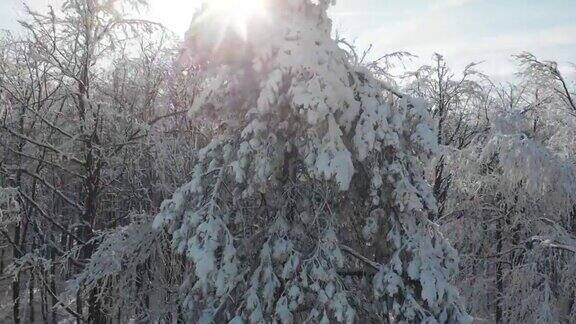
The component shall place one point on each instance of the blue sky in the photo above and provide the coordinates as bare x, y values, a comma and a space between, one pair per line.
462, 30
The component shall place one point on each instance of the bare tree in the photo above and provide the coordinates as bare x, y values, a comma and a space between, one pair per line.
456, 103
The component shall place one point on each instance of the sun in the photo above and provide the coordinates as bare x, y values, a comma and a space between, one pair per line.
237, 14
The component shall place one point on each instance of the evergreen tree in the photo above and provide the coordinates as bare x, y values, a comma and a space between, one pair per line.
310, 202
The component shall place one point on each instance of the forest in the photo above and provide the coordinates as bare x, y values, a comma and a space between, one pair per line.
267, 170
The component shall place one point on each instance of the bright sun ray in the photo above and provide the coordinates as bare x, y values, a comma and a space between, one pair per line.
236, 14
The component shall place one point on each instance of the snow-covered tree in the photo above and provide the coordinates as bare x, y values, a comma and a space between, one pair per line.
297, 188
457, 105
79, 92
547, 76
309, 203
510, 215
8, 207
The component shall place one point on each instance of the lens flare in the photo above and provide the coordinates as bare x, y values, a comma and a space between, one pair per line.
237, 14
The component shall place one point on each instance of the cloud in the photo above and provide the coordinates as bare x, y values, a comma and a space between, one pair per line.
445, 29
452, 3
459, 2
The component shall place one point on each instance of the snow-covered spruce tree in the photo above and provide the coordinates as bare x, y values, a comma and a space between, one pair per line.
309, 203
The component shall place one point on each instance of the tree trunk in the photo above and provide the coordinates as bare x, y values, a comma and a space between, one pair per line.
16, 282
499, 274
31, 297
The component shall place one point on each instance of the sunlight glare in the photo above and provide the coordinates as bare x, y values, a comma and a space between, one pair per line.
237, 13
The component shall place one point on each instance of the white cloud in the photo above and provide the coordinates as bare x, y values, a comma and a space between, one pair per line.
453, 3
442, 30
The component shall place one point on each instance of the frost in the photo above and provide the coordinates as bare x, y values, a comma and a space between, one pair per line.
370, 228
308, 144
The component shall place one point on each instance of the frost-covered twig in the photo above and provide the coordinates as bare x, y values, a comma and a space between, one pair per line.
360, 257
50, 219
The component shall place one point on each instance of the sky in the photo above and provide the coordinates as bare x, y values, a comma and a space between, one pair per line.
464, 31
